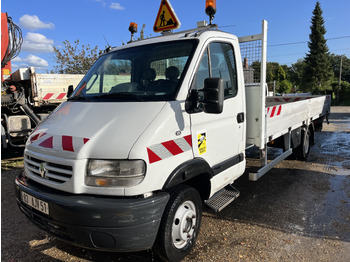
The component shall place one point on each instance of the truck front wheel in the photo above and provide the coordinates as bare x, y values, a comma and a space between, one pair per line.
180, 224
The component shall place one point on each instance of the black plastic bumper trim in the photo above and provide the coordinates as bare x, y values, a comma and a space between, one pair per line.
101, 223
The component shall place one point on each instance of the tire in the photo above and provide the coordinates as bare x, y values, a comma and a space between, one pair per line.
302, 151
319, 126
180, 224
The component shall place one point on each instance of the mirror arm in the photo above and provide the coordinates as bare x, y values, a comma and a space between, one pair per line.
70, 91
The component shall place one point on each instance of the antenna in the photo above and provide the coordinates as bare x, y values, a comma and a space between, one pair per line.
108, 45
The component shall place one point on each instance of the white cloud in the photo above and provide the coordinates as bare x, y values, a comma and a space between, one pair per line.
116, 6
35, 42
32, 22
17, 59
30, 60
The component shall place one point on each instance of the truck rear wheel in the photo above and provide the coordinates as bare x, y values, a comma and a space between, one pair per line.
302, 151
180, 224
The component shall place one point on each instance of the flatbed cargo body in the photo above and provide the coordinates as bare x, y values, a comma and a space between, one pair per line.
288, 113
46, 89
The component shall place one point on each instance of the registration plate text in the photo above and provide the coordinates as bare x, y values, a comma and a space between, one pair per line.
35, 203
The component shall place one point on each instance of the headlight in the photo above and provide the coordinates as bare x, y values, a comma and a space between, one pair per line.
109, 173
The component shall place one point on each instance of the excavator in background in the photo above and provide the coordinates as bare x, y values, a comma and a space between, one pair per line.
27, 97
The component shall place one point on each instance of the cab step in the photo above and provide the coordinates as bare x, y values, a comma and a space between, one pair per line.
222, 198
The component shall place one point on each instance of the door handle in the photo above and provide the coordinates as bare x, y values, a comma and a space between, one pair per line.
240, 117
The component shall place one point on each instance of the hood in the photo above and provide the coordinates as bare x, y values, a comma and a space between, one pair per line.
80, 130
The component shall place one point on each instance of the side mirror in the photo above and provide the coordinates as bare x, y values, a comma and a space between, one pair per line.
213, 95
70, 91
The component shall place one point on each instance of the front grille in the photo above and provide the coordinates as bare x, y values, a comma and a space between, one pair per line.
48, 170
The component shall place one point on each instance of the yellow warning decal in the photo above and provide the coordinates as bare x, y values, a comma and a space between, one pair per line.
202, 143
166, 18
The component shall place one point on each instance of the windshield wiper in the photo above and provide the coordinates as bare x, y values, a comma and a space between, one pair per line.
120, 95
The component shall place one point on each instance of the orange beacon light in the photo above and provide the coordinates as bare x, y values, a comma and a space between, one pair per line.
210, 9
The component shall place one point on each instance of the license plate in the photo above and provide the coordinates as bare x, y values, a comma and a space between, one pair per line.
35, 203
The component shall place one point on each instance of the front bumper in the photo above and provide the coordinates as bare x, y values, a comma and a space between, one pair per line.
95, 222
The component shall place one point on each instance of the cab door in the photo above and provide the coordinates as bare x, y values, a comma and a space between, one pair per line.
220, 137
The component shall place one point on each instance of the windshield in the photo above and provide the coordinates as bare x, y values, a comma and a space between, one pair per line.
144, 73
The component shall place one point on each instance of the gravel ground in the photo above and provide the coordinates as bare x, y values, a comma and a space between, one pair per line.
299, 211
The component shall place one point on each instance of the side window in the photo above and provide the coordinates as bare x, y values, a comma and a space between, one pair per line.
222, 65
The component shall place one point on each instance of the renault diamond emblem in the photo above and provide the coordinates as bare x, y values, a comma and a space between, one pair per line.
42, 170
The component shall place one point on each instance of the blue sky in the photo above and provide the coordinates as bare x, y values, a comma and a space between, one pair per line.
46, 23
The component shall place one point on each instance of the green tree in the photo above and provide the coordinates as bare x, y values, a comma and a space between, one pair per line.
74, 59
284, 86
318, 71
297, 76
280, 74
345, 63
271, 69
288, 71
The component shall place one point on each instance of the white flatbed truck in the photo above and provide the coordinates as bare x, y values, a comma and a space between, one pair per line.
155, 128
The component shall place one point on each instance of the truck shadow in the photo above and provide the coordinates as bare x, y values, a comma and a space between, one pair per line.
91, 255
294, 201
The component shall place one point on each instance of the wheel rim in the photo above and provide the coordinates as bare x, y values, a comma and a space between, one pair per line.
184, 224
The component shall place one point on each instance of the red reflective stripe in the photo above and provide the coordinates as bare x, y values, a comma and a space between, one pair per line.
86, 140
48, 143
67, 143
152, 156
48, 96
169, 148
273, 111
62, 95
36, 137
172, 147
188, 139
279, 110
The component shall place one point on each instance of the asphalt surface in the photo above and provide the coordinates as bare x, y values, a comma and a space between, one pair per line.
299, 211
